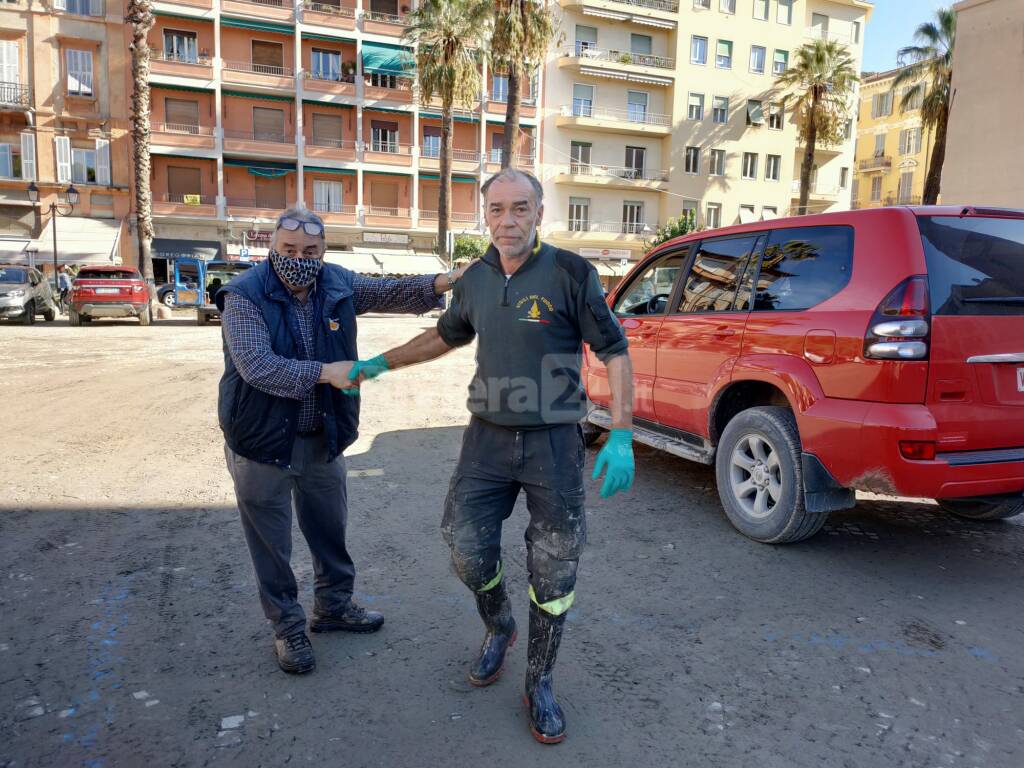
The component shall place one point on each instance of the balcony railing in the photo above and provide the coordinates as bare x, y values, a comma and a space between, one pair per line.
461, 155
816, 33
271, 3
455, 216
816, 189
173, 57
334, 9
621, 172
633, 114
610, 227
502, 98
258, 69
495, 156
186, 198
875, 163
187, 128
387, 147
333, 208
273, 137
334, 77
248, 202
584, 51
387, 18
332, 143
389, 82
15, 95
658, 5
376, 210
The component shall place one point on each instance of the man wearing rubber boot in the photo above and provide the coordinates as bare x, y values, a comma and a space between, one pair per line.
532, 306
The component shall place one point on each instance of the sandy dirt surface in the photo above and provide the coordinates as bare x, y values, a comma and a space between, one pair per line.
132, 634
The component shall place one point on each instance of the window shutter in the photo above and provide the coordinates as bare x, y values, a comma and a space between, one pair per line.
71, 62
85, 59
10, 63
28, 156
95, 7
63, 144
266, 54
60, 5
268, 123
183, 181
327, 130
103, 162
182, 113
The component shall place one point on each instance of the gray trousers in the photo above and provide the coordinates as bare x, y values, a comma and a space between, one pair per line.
265, 495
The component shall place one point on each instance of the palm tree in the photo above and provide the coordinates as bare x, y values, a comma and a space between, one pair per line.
930, 74
523, 31
822, 80
140, 18
448, 35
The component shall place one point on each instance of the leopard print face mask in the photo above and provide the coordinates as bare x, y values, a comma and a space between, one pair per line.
297, 273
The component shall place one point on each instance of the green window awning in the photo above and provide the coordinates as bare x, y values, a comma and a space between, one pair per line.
458, 179
396, 172
327, 38
374, 108
164, 87
260, 165
321, 169
458, 118
384, 59
257, 26
332, 104
260, 96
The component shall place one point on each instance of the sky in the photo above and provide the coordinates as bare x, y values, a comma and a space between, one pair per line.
892, 27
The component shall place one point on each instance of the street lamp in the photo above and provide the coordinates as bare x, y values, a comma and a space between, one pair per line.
55, 211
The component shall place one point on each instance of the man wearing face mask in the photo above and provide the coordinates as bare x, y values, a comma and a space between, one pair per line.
289, 327
532, 306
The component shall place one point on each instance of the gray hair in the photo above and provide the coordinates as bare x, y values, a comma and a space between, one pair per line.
300, 213
514, 174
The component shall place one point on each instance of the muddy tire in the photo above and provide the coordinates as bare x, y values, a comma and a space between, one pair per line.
985, 508
74, 319
202, 319
760, 477
146, 316
29, 318
50, 315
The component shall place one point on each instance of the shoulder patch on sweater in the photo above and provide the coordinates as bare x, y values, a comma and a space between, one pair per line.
578, 267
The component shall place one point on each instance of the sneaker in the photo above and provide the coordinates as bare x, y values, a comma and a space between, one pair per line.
295, 653
353, 618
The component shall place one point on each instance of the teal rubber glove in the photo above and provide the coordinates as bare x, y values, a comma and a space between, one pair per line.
617, 458
370, 369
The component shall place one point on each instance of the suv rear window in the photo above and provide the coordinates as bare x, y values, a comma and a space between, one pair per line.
109, 274
803, 266
975, 264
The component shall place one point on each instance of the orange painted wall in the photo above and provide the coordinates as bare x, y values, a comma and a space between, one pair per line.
239, 183
465, 133
203, 30
159, 175
236, 45
348, 119
404, 124
206, 104
404, 184
347, 51
238, 113
465, 197
348, 186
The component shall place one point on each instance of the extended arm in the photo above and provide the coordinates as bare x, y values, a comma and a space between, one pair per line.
620, 380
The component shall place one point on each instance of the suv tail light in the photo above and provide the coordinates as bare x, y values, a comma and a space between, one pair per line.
136, 289
899, 328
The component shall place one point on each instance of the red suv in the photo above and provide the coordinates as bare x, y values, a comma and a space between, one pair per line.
108, 292
806, 358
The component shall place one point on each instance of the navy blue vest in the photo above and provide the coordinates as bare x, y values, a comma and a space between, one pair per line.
262, 427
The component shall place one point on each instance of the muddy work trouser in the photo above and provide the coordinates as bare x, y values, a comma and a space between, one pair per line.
495, 463
265, 495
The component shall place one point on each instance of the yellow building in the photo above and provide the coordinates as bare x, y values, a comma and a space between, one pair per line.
893, 146
65, 85
655, 107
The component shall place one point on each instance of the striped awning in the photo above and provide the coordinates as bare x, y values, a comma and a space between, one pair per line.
257, 26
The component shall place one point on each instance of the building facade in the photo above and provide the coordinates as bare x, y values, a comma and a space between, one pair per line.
653, 108
894, 147
983, 164
65, 88
259, 105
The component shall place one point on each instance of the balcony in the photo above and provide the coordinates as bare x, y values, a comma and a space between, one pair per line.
887, 201
613, 177
260, 143
327, 83
388, 88
619, 65
614, 120
248, 208
375, 216
175, 65
661, 14
15, 96
467, 218
380, 23
188, 206
387, 153
330, 149
817, 192
259, 75
877, 163
203, 5
621, 231
494, 158
462, 159
338, 215
271, 10
181, 136
497, 103
817, 33
329, 14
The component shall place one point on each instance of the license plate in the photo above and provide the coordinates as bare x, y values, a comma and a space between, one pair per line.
1020, 379
108, 290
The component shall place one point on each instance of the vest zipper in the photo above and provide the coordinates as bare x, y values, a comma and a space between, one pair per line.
504, 296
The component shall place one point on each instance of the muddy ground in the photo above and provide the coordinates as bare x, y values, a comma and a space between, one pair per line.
132, 635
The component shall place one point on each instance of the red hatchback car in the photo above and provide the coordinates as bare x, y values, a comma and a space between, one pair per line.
806, 358
108, 292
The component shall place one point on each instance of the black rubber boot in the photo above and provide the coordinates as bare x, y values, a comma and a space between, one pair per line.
547, 722
496, 611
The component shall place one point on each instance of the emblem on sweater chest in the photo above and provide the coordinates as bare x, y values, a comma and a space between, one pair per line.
535, 309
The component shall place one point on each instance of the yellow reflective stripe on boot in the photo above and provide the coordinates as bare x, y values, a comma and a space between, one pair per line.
495, 581
555, 607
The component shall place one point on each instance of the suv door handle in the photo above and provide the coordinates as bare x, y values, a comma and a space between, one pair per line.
723, 333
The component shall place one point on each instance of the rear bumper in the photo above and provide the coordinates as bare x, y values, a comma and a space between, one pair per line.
858, 443
113, 309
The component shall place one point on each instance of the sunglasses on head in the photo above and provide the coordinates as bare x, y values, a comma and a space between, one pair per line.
313, 228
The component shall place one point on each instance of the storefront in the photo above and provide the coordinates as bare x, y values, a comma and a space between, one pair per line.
165, 250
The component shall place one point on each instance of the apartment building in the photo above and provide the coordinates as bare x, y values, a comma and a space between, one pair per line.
261, 104
64, 121
893, 146
656, 107
984, 164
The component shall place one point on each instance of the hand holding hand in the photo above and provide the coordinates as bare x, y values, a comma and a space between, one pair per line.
337, 375
617, 458
364, 370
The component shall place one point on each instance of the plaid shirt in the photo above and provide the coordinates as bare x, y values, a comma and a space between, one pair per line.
248, 339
